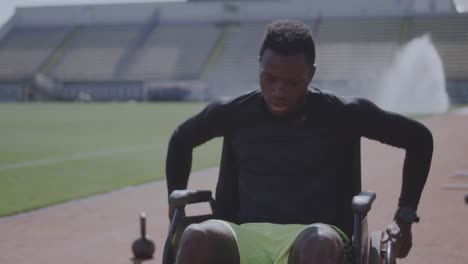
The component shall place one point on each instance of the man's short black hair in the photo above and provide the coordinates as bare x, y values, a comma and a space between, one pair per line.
289, 37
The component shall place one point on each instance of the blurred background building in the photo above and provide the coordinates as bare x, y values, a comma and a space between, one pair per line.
201, 50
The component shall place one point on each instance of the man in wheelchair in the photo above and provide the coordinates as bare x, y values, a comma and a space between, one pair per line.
290, 164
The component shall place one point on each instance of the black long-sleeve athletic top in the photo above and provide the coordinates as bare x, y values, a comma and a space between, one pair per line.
290, 169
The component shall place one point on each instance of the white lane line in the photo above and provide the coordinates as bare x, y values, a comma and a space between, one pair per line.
77, 156
461, 111
461, 173
459, 186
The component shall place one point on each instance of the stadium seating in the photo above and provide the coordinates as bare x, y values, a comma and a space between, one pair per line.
24, 49
174, 51
94, 52
449, 34
235, 70
350, 49
238, 60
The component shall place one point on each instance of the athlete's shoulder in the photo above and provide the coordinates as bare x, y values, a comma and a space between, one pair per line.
234, 104
243, 99
325, 97
332, 100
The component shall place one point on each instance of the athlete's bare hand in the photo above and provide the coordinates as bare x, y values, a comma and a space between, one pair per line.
400, 234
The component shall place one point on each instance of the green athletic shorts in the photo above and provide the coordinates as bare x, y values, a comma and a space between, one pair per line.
266, 243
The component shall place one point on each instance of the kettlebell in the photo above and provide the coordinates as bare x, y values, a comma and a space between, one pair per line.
143, 248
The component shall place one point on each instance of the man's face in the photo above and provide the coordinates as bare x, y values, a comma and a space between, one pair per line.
284, 81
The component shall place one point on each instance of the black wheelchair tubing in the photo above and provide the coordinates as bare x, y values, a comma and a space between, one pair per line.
356, 241
389, 253
167, 252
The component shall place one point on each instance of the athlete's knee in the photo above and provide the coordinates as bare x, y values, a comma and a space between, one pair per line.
318, 242
195, 234
207, 241
200, 236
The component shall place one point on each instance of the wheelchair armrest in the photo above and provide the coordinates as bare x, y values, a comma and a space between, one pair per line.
362, 202
180, 198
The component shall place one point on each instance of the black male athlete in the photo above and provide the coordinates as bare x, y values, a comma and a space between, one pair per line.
286, 146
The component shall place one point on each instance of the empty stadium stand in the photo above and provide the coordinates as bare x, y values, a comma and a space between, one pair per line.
239, 58
350, 49
236, 67
450, 37
93, 52
24, 49
174, 52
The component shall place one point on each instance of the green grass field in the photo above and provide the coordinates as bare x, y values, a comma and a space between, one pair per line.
53, 152
50, 153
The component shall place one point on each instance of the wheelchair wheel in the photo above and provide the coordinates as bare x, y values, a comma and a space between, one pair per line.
375, 248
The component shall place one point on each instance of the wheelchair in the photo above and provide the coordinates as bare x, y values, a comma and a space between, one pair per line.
366, 249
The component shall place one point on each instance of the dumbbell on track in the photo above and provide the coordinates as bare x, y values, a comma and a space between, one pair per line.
143, 247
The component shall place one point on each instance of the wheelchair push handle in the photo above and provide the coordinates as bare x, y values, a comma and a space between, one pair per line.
362, 202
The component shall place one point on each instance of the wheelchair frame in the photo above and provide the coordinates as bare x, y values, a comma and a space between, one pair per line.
365, 250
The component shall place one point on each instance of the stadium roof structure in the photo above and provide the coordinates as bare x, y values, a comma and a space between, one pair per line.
219, 11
